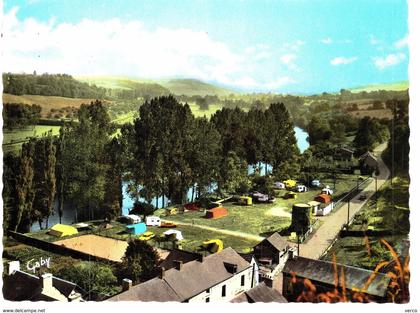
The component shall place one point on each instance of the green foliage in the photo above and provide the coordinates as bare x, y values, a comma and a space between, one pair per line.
141, 208
234, 175
16, 115
49, 85
139, 262
370, 133
92, 277
263, 184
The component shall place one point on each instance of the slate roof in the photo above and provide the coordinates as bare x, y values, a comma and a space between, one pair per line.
21, 286
193, 278
178, 255
277, 241
323, 271
260, 293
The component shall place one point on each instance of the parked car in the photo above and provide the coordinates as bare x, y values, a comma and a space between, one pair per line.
301, 188
147, 236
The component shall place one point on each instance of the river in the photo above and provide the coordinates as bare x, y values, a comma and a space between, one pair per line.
68, 214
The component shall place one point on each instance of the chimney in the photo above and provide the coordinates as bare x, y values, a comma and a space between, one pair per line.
162, 273
292, 253
231, 268
47, 281
177, 264
14, 266
126, 284
200, 258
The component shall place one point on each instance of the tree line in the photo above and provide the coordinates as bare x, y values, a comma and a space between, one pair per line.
61, 85
164, 152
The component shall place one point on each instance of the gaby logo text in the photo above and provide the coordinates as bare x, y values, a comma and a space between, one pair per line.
32, 265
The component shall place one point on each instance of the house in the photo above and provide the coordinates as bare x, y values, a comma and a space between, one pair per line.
21, 286
323, 276
153, 221
61, 230
321, 209
173, 234
216, 278
323, 198
271, 255
368, 163
260, 294
136, 229
216, 213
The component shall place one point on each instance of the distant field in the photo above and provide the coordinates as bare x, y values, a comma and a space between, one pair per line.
13, 140
385, 113
397, 86
46, 102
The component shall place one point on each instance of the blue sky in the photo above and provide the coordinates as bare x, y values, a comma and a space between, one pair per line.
279, 46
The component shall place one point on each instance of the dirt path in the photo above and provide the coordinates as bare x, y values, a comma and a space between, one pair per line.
332, 223
219, 230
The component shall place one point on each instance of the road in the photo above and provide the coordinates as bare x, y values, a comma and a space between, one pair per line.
323, 237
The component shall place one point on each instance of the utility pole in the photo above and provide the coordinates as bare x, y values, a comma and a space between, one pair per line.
298, 241
376, 192
348, 213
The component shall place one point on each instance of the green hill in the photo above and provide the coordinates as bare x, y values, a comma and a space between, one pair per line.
188, 87
192, 87
396, 86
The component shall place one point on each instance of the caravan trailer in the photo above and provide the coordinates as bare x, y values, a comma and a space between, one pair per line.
153, 221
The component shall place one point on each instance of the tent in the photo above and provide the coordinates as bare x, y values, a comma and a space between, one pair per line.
136, 229
192, 206
217, 212
290, 183
61, 230
323, 198
213, 245
244, 200
176, 234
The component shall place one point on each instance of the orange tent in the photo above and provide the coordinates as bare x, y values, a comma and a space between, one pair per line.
217, 212
323, 198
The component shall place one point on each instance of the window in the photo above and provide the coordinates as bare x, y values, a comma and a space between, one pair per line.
208, 299
243, 280
224, 291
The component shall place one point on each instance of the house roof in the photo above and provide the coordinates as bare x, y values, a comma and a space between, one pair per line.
20, 286
323, 271
276, 241
260, 293
178, 255
193, 278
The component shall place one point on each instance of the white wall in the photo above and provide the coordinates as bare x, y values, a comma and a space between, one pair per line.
233, 288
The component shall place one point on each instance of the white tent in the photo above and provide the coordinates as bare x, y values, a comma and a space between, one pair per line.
327, 190
176, 233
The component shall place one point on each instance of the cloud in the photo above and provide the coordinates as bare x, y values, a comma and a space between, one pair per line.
295, 45
326, 41
342, 60
374, 41
401, 43
288, 58
388, 61
127, 47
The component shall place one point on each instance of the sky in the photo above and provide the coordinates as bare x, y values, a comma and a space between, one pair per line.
253, 46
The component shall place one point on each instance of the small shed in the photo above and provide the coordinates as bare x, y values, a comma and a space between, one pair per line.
315, 206
61, 230
323, 198
217, 212
136, 229
173, 234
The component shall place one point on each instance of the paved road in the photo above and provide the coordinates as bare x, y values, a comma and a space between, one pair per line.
322, 238
219, 230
